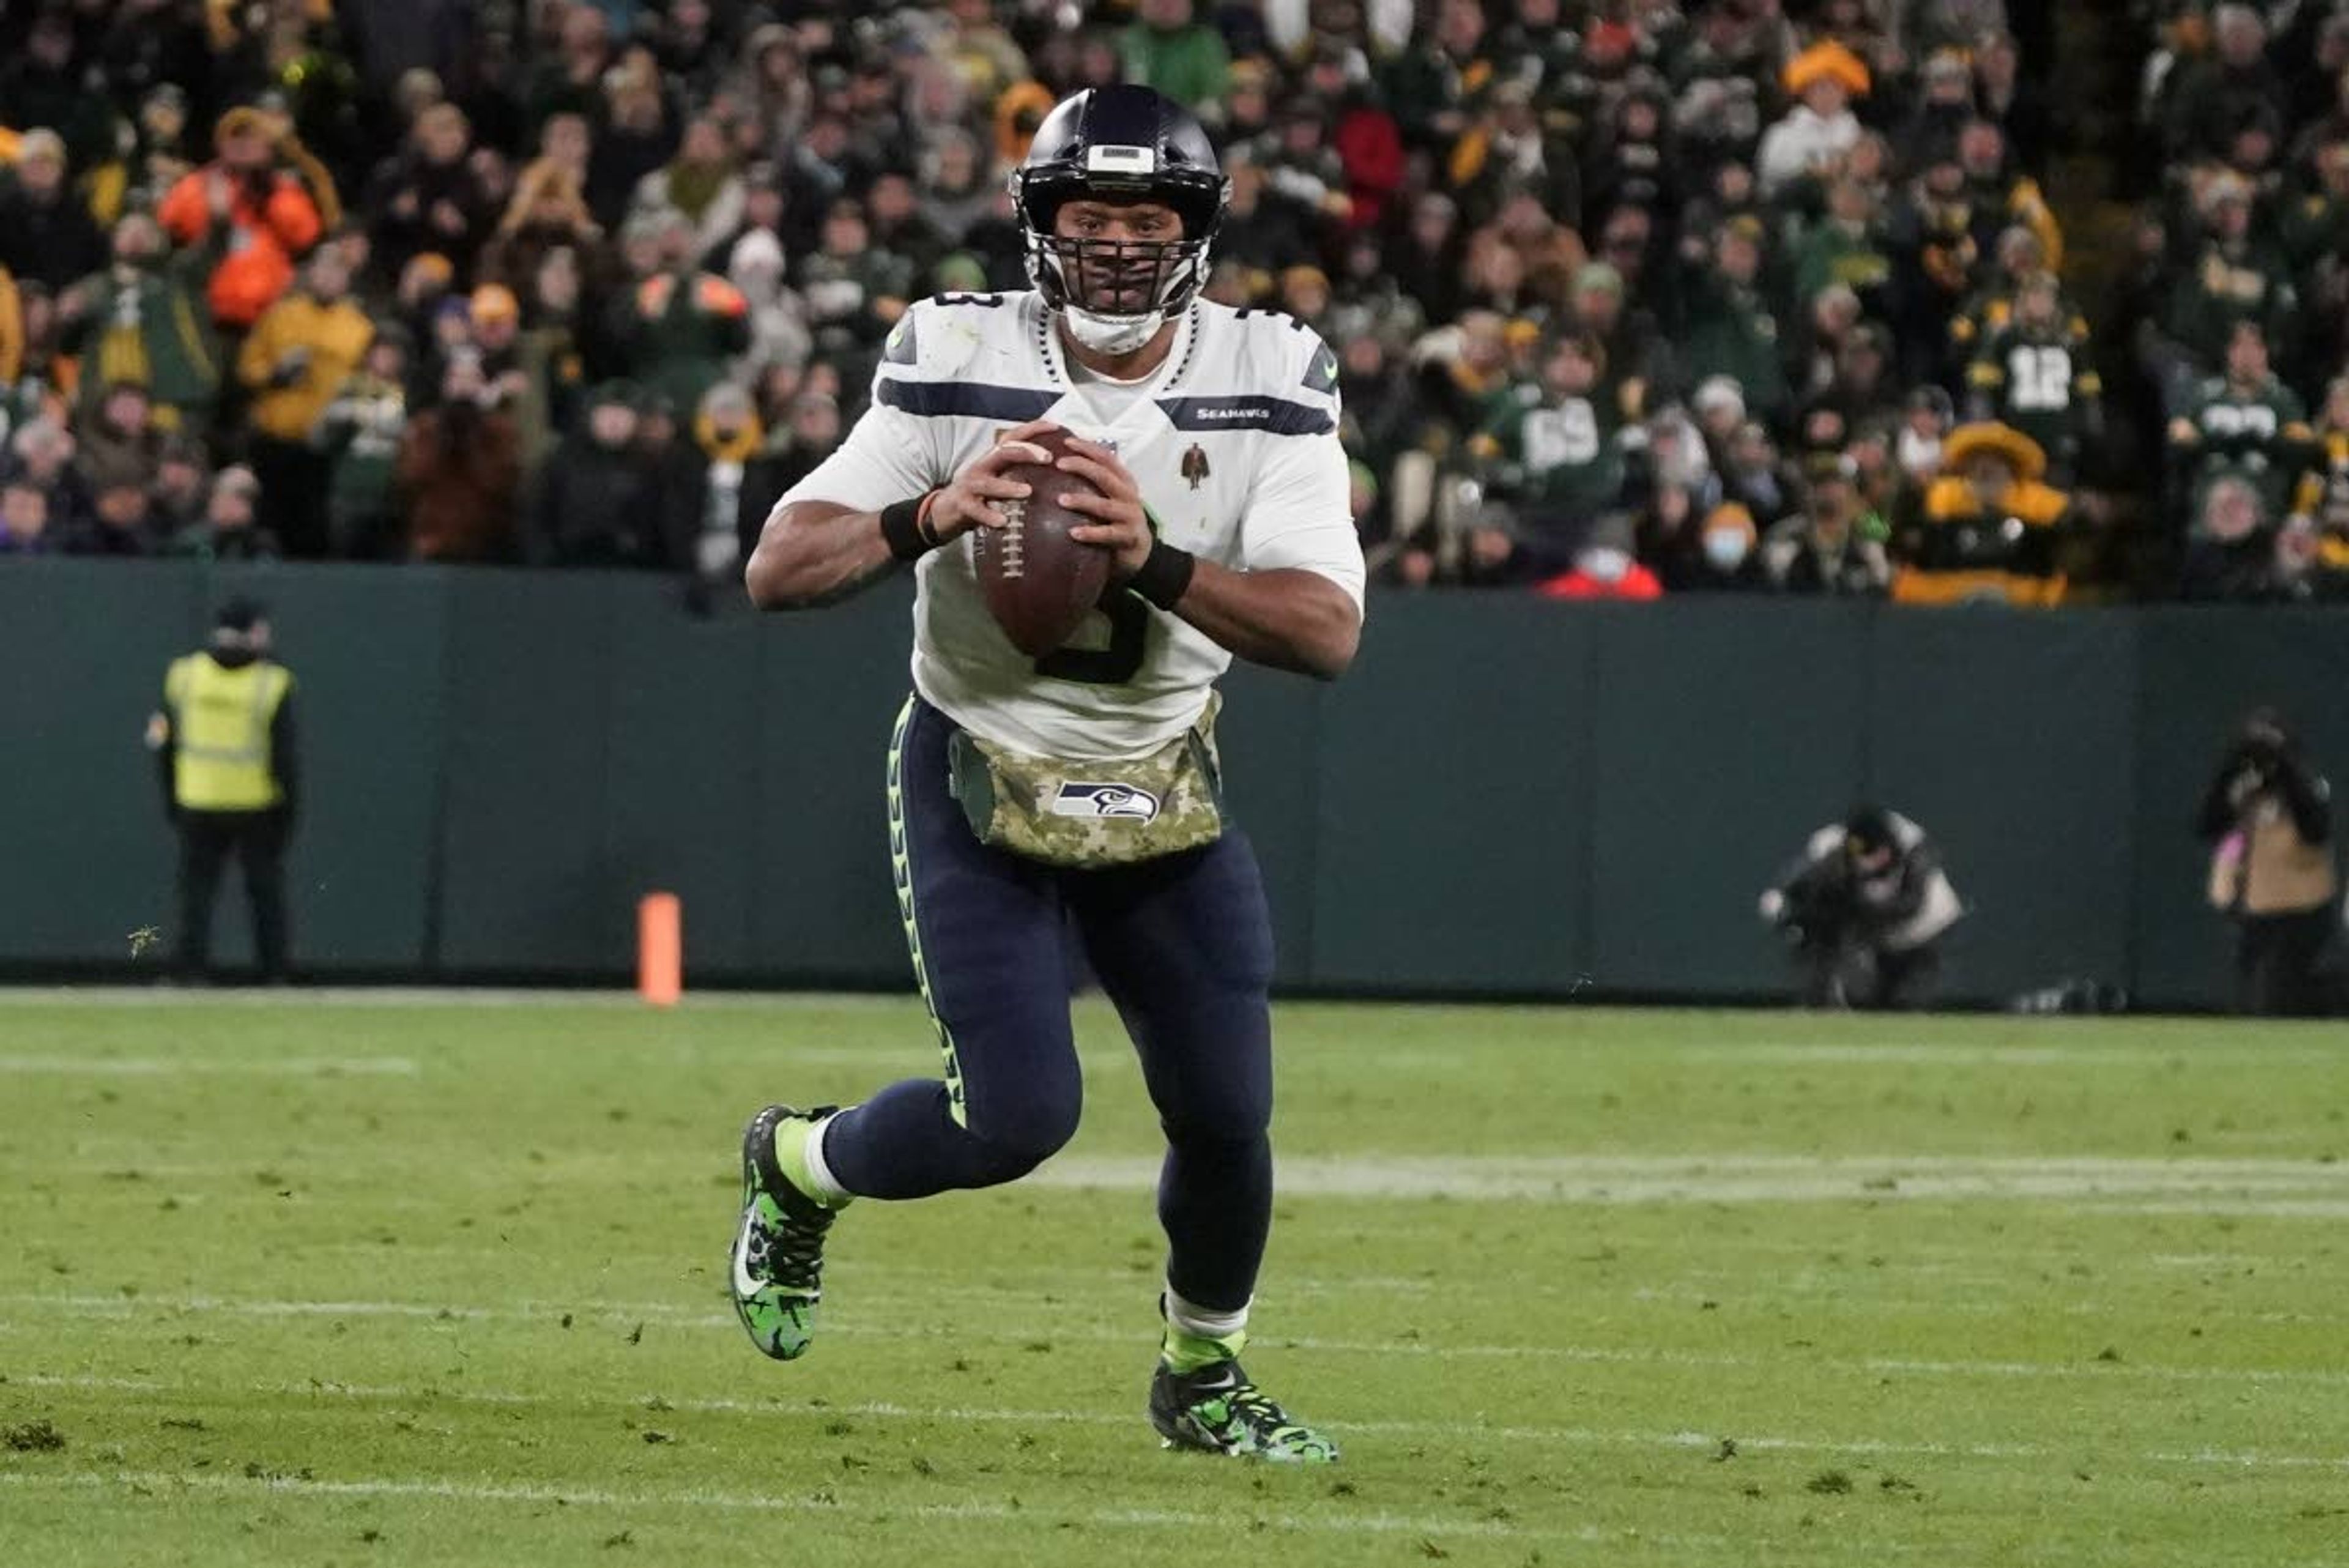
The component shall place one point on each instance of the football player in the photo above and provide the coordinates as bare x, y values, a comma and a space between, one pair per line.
1082, 784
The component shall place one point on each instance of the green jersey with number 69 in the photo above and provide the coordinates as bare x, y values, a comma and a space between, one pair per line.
1555, 453
1233, 442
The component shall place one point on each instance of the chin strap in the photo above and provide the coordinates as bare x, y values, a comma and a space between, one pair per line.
1112, 334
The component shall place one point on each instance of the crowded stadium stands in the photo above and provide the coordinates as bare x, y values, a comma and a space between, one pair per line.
1631, 299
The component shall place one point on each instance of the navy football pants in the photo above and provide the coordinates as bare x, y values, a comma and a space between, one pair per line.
1183, 945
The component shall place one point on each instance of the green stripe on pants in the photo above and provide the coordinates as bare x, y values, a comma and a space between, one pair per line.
901, 866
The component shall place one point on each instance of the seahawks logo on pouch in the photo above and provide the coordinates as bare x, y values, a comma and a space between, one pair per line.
1114, 801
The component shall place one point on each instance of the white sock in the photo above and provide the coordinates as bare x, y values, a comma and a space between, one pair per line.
828, 1189
1187, 1318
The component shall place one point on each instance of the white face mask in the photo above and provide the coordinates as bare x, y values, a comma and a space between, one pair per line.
1920, 456
1726, 548
1110, 334
1605, 563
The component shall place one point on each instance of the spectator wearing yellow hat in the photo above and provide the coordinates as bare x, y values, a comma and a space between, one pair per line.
494, 317
1989, 528
257, 217
1725, 557
1821, 127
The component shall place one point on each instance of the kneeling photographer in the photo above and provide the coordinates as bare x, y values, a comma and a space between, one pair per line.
1866, 907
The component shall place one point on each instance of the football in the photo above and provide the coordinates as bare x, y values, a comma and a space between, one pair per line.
1039, 583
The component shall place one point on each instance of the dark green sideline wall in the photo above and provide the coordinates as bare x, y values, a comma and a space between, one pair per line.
1505, 796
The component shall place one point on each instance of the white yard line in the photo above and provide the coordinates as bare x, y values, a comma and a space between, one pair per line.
850, 1509
1761, 1178
2295, 1187
674, 1315
952, 1414
2074, 1053
2050, 1042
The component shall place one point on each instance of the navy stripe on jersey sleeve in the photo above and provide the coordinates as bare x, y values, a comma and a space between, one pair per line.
967, 400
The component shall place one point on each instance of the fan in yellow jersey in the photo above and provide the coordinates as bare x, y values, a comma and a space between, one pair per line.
1989, 528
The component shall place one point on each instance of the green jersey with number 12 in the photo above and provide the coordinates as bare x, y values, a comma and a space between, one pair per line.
1233, 442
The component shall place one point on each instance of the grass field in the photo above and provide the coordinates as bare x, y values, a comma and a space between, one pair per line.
316, 1279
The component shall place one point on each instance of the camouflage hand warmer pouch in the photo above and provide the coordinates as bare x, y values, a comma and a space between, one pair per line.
1092, 814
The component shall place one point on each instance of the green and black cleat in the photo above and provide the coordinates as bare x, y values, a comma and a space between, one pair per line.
775, 1269
1217, 1410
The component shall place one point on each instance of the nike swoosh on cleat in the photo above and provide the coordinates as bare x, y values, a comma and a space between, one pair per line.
744, 1285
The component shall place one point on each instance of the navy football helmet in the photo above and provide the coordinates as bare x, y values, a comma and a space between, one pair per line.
1119, 144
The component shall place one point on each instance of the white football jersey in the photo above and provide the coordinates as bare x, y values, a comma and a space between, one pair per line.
1234, 444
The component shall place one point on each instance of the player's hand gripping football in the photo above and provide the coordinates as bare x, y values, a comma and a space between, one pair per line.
1121, 523
970, 501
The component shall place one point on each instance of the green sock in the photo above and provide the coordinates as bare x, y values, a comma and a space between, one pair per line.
791, 1159
1184, 1351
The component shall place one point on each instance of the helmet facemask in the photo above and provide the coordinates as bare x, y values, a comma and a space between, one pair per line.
1114, 295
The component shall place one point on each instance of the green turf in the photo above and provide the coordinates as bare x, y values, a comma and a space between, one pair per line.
312, 1281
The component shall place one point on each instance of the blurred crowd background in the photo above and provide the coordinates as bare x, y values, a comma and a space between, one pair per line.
1933, 300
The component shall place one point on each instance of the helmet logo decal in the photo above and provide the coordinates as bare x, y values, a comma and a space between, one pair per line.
1121, 160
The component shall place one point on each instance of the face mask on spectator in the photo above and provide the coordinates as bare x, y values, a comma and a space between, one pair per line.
1726, 548
1920, 455
1605, 564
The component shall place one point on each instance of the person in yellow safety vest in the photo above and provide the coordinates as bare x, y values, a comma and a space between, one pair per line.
225, 747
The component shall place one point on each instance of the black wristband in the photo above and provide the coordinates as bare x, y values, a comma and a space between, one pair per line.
901, 527
1164, 574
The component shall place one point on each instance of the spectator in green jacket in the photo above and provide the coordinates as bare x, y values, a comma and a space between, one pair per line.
227, 531
1730, 329
680, 328
1166, 47
142, 321
360, 432
2245, 422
